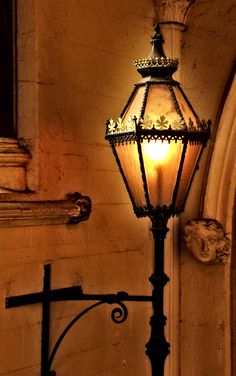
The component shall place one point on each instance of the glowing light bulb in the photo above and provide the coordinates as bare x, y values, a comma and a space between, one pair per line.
156, 150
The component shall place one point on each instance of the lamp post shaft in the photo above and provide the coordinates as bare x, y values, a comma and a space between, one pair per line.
157, 346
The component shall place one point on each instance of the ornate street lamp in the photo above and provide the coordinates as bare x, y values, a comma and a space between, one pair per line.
157, 142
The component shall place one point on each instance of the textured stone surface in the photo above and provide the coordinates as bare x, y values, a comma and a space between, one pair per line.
80, 73
73, 74
208, 55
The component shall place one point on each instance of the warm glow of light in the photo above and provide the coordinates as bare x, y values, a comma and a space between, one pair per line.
156, 150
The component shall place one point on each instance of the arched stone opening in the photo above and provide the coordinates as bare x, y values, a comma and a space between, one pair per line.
219, 203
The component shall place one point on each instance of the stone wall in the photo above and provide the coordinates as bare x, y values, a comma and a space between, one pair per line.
208, 58
75, 71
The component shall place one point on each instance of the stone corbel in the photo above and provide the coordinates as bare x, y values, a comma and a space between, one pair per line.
73, 209
174, 11
172, 15
206, 239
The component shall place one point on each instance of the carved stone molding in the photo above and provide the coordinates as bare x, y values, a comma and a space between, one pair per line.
206, 239
218, 188
13, 165
174, 11
74, 209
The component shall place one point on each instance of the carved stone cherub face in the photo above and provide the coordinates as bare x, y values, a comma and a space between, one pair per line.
206, 240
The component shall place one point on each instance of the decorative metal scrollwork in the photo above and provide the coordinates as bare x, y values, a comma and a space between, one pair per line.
119, 314
75, 293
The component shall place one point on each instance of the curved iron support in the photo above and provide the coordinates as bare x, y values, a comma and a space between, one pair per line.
118, 315
75, 293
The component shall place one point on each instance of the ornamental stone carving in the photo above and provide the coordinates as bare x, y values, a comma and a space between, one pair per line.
172, 10
206, 239
75, 208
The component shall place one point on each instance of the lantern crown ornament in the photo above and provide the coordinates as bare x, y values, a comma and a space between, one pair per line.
158, 138
157, 64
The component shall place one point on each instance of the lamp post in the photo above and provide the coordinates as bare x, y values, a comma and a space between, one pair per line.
157, 142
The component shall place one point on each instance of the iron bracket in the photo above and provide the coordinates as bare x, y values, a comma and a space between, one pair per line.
74, 293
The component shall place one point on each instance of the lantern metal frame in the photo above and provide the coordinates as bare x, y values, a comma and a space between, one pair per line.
138, 134
157, 69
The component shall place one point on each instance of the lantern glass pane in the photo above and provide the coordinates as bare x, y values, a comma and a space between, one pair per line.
135, 105
191, 158
129, 160
185, 109
160, 107
161, 163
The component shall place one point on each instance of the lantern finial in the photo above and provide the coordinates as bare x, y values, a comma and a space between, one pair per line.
157, 41
157, 65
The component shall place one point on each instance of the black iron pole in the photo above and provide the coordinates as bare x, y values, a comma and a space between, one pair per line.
45, 321
157, 346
